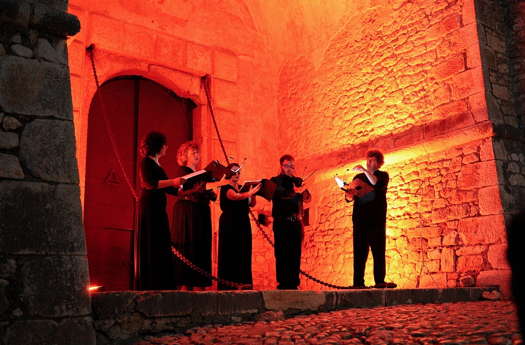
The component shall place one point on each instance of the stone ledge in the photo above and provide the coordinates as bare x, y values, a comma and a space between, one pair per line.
128, 314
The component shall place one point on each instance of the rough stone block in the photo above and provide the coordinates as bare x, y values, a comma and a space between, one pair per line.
300, 300
8, 140
226, 94
448, 260
478, 175
4, 302
165, 304
497, 256
10, 123
45, 87
69, 331
187, 85
486, 151
7, 267
110, 305
454, 295
199, 58
489, 201
225, 66
470, 263
204, 304
450, 67
48, 222
499, 278
409, 296
450, 238
138, 42
47, 150
468, 14
355, 299
482, 230
470, 250
467, 83
170, 51
45, 51
104, 31
54, 286
433, 280
10, 167
249, 302
22, 51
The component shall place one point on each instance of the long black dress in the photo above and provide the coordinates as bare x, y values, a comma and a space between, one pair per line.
155, 258
235, 240
191, 234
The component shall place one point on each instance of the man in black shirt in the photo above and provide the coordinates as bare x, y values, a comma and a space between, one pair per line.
287, 224
369, 220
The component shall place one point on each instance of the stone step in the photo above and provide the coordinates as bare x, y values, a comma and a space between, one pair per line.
127, 314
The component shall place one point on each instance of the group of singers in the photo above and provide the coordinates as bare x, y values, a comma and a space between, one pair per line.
191, 228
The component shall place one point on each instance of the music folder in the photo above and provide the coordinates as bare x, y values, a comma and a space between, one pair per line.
267, 188
214, 171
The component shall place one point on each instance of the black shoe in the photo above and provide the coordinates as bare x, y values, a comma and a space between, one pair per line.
359, 287
385, 285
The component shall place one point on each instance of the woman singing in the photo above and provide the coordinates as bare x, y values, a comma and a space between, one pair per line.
235, 233
155, 258
191, 227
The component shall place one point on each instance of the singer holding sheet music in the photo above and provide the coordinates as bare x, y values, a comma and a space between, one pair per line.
155, 258
287, 223
235, 232
369, 221
191, 224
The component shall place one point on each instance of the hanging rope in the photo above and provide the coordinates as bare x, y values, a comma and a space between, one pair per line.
206, 82
107, 126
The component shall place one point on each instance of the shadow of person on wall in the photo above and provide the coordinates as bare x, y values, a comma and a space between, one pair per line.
516, 257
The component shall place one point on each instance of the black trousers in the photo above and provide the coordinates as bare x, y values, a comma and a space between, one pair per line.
371, 236
288, 240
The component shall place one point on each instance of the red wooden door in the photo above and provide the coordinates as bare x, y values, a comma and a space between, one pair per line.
133, 106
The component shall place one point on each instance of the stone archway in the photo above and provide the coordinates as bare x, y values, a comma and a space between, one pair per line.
133, 107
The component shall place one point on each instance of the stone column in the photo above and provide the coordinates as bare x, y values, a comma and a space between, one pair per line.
501, 31
43, 263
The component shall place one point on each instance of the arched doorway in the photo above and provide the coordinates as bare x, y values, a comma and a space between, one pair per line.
133, 106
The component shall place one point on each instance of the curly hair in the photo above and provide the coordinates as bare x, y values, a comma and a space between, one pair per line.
378, 155
182, 152
153, 143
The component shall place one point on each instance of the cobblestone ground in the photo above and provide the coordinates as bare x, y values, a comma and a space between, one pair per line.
450, 323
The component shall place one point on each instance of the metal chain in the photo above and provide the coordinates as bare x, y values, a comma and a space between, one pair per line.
205, 273
306, 274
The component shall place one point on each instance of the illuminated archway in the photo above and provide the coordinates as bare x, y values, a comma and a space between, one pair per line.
132, 106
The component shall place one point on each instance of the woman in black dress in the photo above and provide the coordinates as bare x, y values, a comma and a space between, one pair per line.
155, 258
235, 233
191, 226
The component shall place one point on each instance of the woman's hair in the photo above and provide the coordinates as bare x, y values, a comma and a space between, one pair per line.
378, 155
152, 144
182, 152
230, 168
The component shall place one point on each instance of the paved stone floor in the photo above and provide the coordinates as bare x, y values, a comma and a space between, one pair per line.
451, 323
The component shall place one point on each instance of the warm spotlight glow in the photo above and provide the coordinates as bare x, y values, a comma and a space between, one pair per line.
94, 288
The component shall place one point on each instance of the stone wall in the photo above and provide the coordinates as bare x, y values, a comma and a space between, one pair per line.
502, 36
406, 77
43, 267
